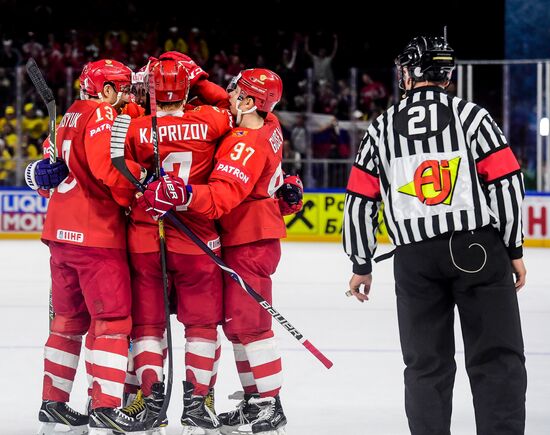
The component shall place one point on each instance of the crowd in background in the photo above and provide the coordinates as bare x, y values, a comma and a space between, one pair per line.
61, 58
290, 55
315, 69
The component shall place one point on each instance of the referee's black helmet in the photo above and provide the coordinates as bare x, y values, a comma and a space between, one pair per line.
427, 58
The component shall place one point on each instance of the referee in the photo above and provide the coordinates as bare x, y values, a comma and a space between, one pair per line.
452, 192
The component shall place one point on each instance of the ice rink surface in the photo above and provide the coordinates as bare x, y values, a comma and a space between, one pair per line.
361, 395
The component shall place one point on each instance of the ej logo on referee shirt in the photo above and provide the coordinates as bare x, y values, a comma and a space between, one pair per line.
434, 181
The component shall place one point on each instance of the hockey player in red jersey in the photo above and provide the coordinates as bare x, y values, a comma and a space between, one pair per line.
85, 232
202, 90
241, 194
187, 141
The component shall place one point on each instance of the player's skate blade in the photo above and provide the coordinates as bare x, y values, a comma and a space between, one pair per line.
108, 431
187, 430
247, 430
61, 429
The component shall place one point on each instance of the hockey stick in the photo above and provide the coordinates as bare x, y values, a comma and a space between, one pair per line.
118, 135
162, 239
47, 96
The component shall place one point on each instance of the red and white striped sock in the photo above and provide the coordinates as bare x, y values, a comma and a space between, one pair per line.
61, 355
265, 362
216, 361
110, 361
148, 361
88, 352
200, 352
243, 369
131, 383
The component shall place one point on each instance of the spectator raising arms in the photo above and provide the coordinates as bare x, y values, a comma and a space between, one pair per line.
322, 62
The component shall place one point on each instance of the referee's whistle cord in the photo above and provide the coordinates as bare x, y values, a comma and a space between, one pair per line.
469, 246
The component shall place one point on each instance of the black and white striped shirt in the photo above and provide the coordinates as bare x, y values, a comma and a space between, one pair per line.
439, 164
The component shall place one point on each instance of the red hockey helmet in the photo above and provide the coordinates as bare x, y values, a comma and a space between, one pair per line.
175, 55
97, 74
264, 85
171, 80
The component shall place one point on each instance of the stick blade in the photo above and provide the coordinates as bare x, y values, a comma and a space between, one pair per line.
119, 131
38, 81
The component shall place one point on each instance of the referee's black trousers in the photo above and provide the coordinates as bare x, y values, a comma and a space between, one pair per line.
429, 283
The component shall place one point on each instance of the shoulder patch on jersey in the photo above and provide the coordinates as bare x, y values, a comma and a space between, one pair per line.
197, 109
239, 133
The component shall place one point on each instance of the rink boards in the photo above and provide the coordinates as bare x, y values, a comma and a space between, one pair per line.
22, 214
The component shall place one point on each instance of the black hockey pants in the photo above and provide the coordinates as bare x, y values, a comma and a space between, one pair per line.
429, 283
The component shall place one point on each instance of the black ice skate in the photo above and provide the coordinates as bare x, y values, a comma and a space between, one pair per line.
197, 418
153, 405
271, 419
108, 421
243, 414
60, 418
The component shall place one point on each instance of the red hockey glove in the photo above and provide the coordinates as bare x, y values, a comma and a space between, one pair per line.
162, 195
133, 109
290, 195
212, 94
195, 72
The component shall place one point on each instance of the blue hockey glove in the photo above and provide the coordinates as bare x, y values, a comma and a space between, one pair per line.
45, 175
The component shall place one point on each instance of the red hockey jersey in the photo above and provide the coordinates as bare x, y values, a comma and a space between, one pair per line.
240, 190
187, 143
82, 210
